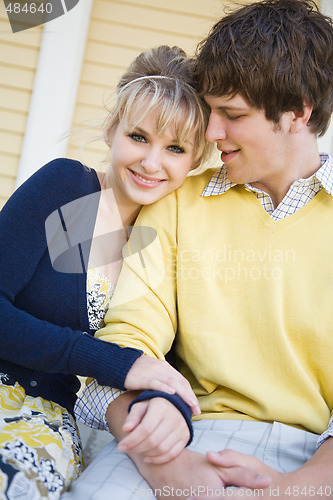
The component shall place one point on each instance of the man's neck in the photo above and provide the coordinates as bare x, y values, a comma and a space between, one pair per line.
297, 166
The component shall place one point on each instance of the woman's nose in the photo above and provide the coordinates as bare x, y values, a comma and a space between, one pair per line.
152, 161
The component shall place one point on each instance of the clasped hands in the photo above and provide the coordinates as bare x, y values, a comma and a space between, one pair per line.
154, 435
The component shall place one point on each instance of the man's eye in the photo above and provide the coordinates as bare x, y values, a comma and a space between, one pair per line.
176, 149
137, 137
233, 117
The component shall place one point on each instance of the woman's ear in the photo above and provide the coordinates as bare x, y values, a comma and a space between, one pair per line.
109, 130
106, 135
300, 118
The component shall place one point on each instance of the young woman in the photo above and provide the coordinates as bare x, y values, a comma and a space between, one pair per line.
61, 237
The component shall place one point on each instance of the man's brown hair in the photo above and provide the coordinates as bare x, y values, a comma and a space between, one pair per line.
278, 54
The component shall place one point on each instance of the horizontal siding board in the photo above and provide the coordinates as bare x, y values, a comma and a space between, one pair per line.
145, 17
96, 96
209, 9
13, 121
10, 142
25, 57
110, 54
8, 165
90, 119
27, 38
96, 74
13, 76
15, 99
139, 39
89, 157
90, 141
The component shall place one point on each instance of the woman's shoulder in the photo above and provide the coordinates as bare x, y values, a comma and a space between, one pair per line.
66, 168
58, 182
63, 178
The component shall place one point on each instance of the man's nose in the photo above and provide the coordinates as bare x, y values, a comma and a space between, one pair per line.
216, 128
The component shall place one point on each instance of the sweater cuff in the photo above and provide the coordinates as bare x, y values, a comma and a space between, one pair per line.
106, 362
175, 399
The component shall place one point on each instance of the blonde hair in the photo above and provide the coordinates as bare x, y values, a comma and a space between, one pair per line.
161, 79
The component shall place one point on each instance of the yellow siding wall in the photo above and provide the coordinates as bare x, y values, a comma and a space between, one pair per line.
119, 30
18, 61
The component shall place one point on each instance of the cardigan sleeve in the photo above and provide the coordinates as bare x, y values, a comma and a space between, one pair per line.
143, 309
26, 340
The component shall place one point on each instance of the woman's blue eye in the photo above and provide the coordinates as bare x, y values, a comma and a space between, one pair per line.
137, 137
176, 149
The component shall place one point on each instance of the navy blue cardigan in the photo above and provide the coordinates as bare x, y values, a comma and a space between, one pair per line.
45, 337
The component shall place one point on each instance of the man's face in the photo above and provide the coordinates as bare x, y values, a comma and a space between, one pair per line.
253, 149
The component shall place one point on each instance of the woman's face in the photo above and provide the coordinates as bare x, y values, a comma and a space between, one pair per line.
146, 166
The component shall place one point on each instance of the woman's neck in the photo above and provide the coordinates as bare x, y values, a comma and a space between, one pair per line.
127, 212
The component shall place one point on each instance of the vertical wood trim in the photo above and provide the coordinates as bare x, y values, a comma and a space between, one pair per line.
55, 88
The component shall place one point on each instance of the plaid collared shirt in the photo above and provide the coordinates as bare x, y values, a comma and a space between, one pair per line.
91, 406
299, 193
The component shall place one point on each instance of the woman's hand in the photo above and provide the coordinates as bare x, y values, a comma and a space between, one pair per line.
156, 430
159, 375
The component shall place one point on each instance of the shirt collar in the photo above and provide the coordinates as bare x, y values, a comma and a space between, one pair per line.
219, 182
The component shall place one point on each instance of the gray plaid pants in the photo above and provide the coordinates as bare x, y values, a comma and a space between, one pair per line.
113, 476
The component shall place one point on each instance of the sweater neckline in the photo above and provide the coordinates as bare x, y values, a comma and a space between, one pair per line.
290, 219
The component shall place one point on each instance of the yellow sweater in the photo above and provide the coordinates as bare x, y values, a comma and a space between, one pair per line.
251, 301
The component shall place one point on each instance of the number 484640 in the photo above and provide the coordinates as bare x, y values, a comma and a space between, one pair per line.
28, 8
308, 491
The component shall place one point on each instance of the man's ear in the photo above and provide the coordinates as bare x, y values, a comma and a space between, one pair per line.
300, 118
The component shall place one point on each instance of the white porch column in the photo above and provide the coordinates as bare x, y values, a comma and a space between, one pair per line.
55, 88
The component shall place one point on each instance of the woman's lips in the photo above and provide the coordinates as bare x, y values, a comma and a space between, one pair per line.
145, 181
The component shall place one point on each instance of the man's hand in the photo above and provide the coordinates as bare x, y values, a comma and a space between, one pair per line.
159, 375
313, 480
188, 470
190, 473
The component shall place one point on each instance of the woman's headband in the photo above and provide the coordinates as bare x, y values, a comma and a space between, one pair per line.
157, 77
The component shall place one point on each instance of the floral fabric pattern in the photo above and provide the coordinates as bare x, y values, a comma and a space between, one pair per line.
99, 294
40, 449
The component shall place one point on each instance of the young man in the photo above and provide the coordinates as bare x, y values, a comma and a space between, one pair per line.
248, 287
